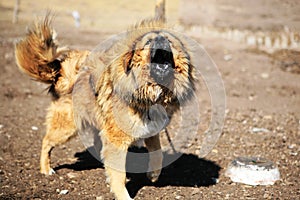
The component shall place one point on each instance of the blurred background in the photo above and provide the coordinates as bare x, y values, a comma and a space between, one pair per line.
100, 15
117, 15
271, 24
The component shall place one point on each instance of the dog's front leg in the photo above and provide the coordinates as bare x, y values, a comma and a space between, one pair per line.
155, 157
114, 155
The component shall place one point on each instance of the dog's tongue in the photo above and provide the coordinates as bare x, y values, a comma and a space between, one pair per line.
162, 63
161, 52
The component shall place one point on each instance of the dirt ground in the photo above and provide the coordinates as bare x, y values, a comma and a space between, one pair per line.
262, 91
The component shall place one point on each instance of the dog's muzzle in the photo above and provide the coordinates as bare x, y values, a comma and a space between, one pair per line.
161, 61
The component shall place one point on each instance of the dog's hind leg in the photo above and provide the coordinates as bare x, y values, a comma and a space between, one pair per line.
155, 157
60, 128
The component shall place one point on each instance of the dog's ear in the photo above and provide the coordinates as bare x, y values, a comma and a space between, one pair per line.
127, 61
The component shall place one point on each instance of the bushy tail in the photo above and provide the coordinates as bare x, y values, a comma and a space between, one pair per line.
38, 54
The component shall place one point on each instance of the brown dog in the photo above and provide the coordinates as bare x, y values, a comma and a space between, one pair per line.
116, 91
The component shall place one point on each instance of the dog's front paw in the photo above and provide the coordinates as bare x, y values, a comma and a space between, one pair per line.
153, 176
51, 171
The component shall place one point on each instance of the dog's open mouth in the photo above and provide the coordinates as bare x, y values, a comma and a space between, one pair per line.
162, 63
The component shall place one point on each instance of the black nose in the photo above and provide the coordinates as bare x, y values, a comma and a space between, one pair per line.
162, 62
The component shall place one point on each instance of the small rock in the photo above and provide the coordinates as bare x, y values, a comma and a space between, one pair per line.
251, 97
72, 175
215, 180
214, 151
268, 117
257, 130
293, 153
265, 75
195, 191
64, 192
1, 126
8, 56
284, 138
227, 57
292, 146
99, 198
235, 93
27, 164
188, 145
34, 128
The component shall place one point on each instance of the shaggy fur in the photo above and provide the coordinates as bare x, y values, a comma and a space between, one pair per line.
115, 91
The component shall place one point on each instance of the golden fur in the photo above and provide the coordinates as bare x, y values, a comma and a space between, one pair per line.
112, 93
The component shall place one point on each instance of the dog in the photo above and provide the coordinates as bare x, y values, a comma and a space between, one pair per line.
128, 92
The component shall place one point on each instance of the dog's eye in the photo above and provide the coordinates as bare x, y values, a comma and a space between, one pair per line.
148, 42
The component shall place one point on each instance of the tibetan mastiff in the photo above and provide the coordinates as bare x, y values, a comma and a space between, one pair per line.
127, 92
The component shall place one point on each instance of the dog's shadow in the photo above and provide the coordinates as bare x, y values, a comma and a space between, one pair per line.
187, 170
85, 161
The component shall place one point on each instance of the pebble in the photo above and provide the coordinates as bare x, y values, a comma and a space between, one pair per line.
268, 117
195, 191
257, 130
293, 153
34, 128
99, 198
64, 192
227, 57
292, 146
1, 126
215, 180
251, 98
215, 151
265, 75
8, 56
72, 175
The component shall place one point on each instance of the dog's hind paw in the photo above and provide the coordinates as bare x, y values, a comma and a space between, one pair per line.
153, 176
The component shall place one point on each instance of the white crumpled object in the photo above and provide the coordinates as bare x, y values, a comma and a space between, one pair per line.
253, 171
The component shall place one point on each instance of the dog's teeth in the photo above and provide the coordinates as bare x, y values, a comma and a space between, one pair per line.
158, 92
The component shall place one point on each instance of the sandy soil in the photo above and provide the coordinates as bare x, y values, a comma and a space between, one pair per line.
262, 91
